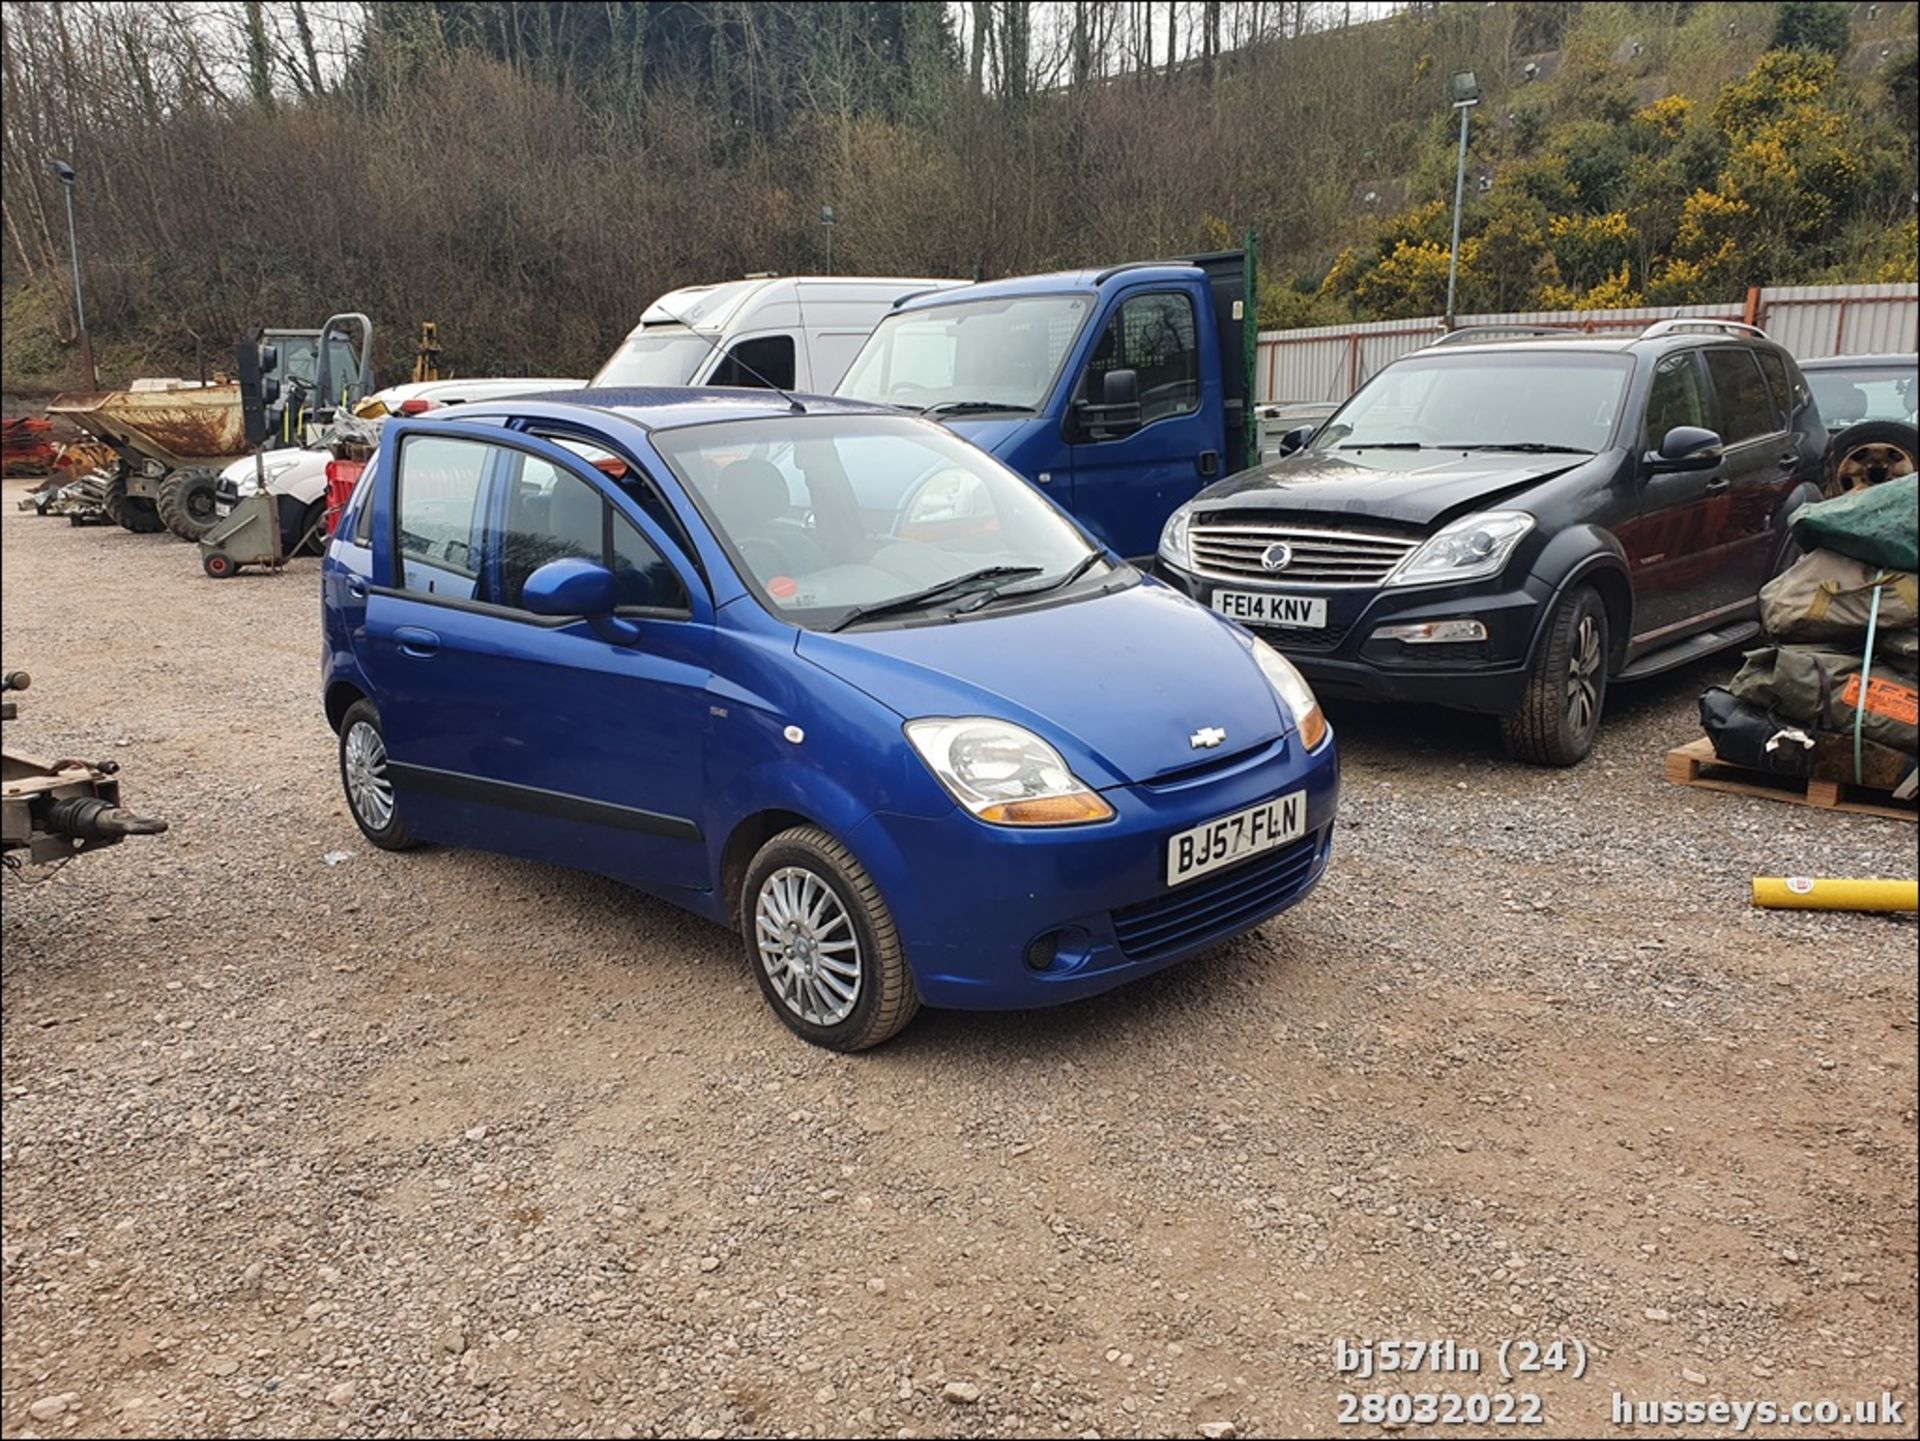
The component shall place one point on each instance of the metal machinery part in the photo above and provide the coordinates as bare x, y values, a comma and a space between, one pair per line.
54, 810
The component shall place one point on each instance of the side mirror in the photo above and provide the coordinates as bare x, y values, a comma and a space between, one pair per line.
1296, 439
1118, 409
1687, 447
564, 589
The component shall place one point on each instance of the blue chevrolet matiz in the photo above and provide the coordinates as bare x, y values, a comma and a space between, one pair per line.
823, 672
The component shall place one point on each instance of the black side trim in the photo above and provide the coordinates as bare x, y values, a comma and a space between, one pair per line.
459, 787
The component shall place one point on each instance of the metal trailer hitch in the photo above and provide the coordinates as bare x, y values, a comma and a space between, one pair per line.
54, 810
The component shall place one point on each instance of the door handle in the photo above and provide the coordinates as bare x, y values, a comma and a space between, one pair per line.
415, 641
1790, 460
1718, 484
1208, 462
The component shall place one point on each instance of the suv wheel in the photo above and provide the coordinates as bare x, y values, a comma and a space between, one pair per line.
363, 774
1566, 688
822, 945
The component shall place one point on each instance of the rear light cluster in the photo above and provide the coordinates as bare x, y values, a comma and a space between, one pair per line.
418, 406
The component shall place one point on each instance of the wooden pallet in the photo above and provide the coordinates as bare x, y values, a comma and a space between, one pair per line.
1695, 764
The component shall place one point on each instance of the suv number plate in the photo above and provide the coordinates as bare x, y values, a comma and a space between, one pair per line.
1302, 612
1235, 837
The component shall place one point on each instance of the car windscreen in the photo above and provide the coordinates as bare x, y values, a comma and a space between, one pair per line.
654, 357
829, 517
1520, 399
980, 354
1849, 394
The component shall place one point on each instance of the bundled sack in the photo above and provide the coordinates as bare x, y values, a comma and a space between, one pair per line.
1748, 735
1876, 526
1819, 689
1827, 596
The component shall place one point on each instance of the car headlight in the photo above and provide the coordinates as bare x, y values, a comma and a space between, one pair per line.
1472, 547
1294, 693
1173, 536
1004, 774
251, 479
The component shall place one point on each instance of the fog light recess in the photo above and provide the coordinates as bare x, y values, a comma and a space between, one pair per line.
1433, 632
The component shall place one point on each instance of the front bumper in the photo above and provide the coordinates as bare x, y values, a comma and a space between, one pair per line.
971, 900
1346, 659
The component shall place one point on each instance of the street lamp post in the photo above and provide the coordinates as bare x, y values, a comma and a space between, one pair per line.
1466, 95
826, 224
64, 173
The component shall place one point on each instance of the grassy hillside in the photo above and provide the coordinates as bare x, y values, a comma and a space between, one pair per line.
530, 173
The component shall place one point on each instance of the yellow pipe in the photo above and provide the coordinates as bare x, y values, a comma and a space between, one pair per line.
1802, 893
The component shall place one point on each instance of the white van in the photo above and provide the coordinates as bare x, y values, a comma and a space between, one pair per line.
794, 332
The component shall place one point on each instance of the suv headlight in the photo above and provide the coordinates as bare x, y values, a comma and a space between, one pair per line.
1472, 547
1004, 774
1173, 536
248, 480
1294, 693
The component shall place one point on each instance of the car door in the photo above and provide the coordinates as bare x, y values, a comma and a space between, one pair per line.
1678, 542
1763, 457
1127, 481
536, 735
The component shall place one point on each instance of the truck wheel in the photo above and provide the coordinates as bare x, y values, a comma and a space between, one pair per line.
130, 512
369, 787
822, 945
186, 502
1566, 686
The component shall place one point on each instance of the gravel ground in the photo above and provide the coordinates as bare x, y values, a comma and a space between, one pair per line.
445, 1142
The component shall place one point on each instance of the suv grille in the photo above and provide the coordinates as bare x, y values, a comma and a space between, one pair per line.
1232, 550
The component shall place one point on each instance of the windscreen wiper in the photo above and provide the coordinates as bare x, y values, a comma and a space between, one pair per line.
988, 597
1385, 445
1525, 447
913, 600
966, 407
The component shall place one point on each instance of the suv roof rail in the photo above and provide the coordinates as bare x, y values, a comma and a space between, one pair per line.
1702, 322
1481, 332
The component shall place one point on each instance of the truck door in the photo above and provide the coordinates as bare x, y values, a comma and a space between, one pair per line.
1130, 471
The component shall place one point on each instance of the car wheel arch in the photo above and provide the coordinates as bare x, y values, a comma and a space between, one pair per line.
743, 843
340, 698
1606, 571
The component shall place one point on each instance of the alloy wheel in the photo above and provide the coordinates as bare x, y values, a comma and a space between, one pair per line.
807, 944
1583, 676
368, 789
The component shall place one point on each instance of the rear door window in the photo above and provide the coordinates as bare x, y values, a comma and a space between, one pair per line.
1744, 402
440, 483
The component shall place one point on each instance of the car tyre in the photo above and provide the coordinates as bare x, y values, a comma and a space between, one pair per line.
822, 944
364, 778
312, 539
1566, 686
1870, 453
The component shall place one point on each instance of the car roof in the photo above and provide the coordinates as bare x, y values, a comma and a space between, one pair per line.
662, 407
1844, 362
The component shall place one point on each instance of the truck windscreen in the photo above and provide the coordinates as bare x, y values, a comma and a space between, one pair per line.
986, 353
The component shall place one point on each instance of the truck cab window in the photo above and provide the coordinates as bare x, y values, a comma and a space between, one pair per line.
1153, 336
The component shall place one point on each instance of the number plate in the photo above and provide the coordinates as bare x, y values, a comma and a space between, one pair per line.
1301, 612
1235, 837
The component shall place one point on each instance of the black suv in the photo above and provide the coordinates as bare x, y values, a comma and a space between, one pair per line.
1503, 521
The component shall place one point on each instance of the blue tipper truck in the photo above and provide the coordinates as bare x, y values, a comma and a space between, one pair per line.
1119, 392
